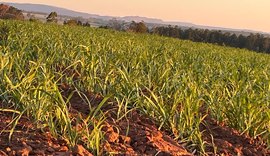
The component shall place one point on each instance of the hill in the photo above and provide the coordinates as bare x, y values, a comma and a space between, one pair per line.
47, 9
9, 12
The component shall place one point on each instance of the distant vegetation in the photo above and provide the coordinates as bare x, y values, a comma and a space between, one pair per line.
255, 42
73, 22
9, 12
52, 17
139, 27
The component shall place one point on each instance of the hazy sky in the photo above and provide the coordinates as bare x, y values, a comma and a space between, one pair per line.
244, 14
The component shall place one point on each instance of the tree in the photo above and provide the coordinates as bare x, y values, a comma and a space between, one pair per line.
142, 28
86, 24
52, 17
232, 40
116, 24
138, 27
10, 12
242, 41
266, 44
174, 32
79, 23
250, 42
132, 26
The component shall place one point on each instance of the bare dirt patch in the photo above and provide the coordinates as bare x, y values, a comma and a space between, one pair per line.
221, 139
28, 140
139, 136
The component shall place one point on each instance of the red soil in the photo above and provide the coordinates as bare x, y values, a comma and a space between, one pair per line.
28, 140
229, 142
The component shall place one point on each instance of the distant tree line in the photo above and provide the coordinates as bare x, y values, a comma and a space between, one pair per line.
256, 42
74, 22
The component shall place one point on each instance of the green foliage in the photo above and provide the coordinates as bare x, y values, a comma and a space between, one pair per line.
167, 79
4, 33
256, 42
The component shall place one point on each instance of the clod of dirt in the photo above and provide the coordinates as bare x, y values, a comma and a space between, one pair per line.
24, 151
124, 139
2, 153
81, 151
62, 154
63, 149
38, 152
50, 149
112, 137
55, 146
8, 149
10, 152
